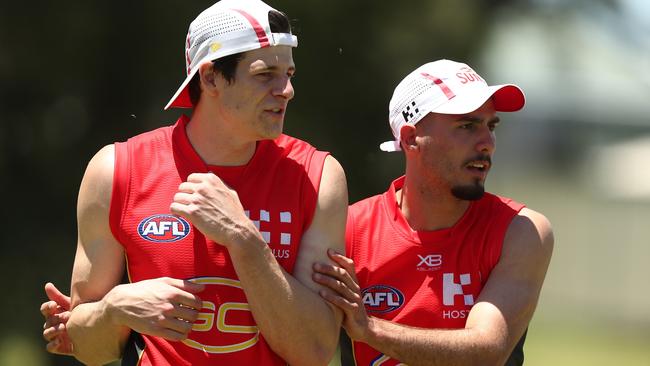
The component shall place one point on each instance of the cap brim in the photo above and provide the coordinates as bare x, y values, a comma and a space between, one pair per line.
181, 98
506, 98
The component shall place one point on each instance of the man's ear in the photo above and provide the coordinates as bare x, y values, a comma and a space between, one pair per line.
407, 137
209, 79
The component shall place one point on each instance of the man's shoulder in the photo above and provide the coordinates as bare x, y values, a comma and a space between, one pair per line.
292, 145
160, 132
501, 202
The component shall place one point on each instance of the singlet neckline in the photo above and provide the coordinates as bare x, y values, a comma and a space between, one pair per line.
233, 176
420, 236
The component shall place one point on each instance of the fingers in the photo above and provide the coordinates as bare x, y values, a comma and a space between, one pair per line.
187, 187
185, 285
179, 209
196, 177
54, 331
177, 325
58, 341
55, 295
184, 313
202, 178
185, 198
349, 307
59, 347
53, 346
56, 319
338, 286
187, 297
337, 273
341, 260
48, 308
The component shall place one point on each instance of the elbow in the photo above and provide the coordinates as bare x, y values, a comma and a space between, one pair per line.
319, 357
318, 352
324, 353
488, 356
491, 351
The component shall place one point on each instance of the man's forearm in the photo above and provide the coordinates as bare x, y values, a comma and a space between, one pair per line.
295, 321
418, 346
96, 339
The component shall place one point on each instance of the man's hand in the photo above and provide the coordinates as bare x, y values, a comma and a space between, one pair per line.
214, 208
56, 312
344, 292
161, 307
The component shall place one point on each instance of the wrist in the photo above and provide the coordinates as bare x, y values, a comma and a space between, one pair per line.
372, 331
108, 307
245, 238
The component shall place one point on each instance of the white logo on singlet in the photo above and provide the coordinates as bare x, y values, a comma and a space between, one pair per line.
263, 219
451, 289
430, 262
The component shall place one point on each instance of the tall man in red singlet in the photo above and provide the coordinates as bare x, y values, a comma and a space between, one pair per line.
439, 272
218, 218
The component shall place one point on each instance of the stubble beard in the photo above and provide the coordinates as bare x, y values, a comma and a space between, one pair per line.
469, 192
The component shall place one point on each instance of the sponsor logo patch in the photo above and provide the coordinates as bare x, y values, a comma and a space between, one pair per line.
382, 298
163, 228
431, 262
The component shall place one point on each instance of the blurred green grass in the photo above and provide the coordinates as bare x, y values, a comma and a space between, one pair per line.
580, 344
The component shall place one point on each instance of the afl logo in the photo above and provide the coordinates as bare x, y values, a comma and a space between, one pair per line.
163, 228
382, 298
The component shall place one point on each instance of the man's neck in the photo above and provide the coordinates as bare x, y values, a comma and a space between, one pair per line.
428, 208
216, 143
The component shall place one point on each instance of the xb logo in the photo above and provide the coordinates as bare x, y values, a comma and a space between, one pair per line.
431, 262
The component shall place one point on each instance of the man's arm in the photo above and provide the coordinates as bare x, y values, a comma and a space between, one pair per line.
297, 323
495, 323
102, 312
98, 267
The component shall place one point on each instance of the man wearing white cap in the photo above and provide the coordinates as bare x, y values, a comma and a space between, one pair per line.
219, 218
438, 272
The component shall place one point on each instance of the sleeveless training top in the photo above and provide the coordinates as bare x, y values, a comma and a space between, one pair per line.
426, 279
278, 189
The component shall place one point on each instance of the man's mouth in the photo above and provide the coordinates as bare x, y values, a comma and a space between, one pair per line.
480, 165
275, 111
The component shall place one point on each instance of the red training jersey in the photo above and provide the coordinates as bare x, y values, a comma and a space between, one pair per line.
278, 189
426, 279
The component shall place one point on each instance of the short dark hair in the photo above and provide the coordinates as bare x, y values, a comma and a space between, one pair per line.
227, 66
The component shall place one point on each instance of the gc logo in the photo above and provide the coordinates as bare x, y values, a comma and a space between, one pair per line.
235, 328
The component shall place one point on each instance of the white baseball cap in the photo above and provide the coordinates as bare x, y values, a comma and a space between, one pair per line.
445, 87
226, 28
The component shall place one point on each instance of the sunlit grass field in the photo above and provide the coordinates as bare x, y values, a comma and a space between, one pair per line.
581, 345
